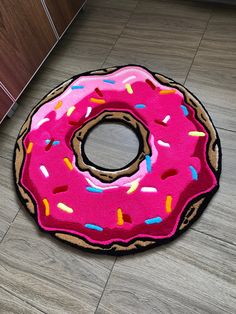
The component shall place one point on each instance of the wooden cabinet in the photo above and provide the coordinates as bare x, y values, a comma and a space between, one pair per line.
6, 102
28, 31
62, 12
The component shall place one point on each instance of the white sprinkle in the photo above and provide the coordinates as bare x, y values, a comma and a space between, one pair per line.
43, 121
89, 109
99, 187
129, 78
167, 118
44, 171
160, 142
148, 189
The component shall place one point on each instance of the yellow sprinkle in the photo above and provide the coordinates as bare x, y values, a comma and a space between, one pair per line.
97, 101
58, 105
167, 91
196, 133
65, 208
70, 110
47, 207
133, 187
68, 163
168, 203
29, 148
129, 88
120, 220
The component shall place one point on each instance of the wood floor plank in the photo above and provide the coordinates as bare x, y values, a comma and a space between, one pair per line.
212, 76
9, 304
48, 274
164, 41
9, 204
194, 274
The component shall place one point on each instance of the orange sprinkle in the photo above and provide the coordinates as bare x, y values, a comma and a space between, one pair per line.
58, 105
168, 204
97, 101
29, 148
47, 207
167, 91
68, 163
120, 220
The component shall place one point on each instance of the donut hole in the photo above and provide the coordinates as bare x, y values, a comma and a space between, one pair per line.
111, 145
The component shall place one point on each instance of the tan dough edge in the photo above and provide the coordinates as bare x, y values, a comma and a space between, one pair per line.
191, 212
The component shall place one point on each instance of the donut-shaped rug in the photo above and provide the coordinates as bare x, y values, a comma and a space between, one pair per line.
150, 201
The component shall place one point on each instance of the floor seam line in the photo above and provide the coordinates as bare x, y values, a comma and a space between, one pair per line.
1, 241
214, 237
118, 37
105, 285
194, 57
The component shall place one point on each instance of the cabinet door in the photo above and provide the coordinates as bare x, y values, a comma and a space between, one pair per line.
25, 39
5, 103
62, 12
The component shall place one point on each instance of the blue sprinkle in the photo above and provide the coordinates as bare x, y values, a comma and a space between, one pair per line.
155, 220
47, 141
109, 81
94, 227
194, 173
94, 190
77, 87
148, 163
185, 110
56, 143
140, 106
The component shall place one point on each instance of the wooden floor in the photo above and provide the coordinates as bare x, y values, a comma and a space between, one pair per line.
195, 44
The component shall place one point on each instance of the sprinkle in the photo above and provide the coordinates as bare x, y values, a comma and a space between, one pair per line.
60, 189
47, 207
68, 163
109, 81
168, 203
47, 141
89, 109
167, 91
127, 218
140, 106
150, 84
97, 101
56, 143
74, 123
97, 90
120, 220
169, 173
166, 119
155, 220
160, 122
185, 110
70, 110
194, 173
148, 189
42, 121
196, 133
29, 148
58, 105
133, 187
94, 227
65, 208
161, 143
129, 78
148, 163
129, 88
44, 171
94, 190
77, 87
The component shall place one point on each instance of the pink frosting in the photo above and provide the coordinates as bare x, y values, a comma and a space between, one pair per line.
172, 148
